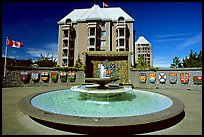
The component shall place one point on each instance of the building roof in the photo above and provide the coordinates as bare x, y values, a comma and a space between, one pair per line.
142, 40
96, 13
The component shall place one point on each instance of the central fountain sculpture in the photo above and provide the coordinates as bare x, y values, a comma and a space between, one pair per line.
101, 88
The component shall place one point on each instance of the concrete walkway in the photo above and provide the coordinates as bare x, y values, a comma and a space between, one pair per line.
14, 122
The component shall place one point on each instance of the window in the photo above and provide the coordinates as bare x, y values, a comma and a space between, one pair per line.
121, 19
65, 43
68, 21
103, 43
65, 33
92, 40
92, 31
64, 62
121, 41
103, 33
121, 32
65, 52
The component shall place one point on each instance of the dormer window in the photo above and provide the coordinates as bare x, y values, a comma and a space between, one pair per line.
121, 20
68, 21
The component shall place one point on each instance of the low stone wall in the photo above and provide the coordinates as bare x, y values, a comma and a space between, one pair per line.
135, 79
12, 79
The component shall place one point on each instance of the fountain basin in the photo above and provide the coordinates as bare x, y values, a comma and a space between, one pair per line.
103, 123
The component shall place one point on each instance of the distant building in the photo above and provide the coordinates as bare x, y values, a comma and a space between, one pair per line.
94, 29
144, 48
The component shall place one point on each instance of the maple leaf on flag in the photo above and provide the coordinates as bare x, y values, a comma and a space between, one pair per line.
13, 43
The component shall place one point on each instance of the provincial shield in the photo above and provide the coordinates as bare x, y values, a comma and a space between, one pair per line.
63, 76
72, 76
197, 79
25, 77
35, 76
54, 76
152, 78
162, 77
184, 77
143, 77
45, 76
173, 78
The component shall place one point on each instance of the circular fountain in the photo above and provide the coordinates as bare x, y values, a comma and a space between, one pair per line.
133, 111
98, 107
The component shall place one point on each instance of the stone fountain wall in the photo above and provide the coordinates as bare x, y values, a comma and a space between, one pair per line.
121, 68
12, 79
135, 79
133, 76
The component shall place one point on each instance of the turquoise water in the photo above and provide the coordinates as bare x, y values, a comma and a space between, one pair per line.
131, 103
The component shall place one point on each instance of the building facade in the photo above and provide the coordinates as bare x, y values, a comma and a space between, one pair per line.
143, 48
94, 29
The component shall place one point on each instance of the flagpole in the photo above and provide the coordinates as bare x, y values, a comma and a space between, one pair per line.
103, 4
5, 60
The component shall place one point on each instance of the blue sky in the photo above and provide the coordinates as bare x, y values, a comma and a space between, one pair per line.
173, 28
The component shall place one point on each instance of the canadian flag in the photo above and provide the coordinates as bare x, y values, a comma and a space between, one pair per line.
13, 43
105, 5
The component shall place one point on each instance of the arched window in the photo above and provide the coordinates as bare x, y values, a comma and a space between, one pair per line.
68, 21
121, 19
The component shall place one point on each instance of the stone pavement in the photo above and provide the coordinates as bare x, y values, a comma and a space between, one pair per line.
14, 122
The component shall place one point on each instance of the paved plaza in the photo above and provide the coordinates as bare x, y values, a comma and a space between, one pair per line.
14, 122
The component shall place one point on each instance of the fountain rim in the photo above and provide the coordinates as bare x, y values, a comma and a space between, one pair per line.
27, 108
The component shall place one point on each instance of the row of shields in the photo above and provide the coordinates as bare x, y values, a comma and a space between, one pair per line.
45, 76
184, 78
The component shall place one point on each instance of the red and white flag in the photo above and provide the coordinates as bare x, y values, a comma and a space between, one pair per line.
105, 4
13, 43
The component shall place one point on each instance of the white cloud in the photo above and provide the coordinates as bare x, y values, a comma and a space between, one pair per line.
190, 41
174, 35
169, 39
51, 48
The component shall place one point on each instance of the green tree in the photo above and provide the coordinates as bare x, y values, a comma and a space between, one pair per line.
176, 63
185, 62
141, 61
194, 60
